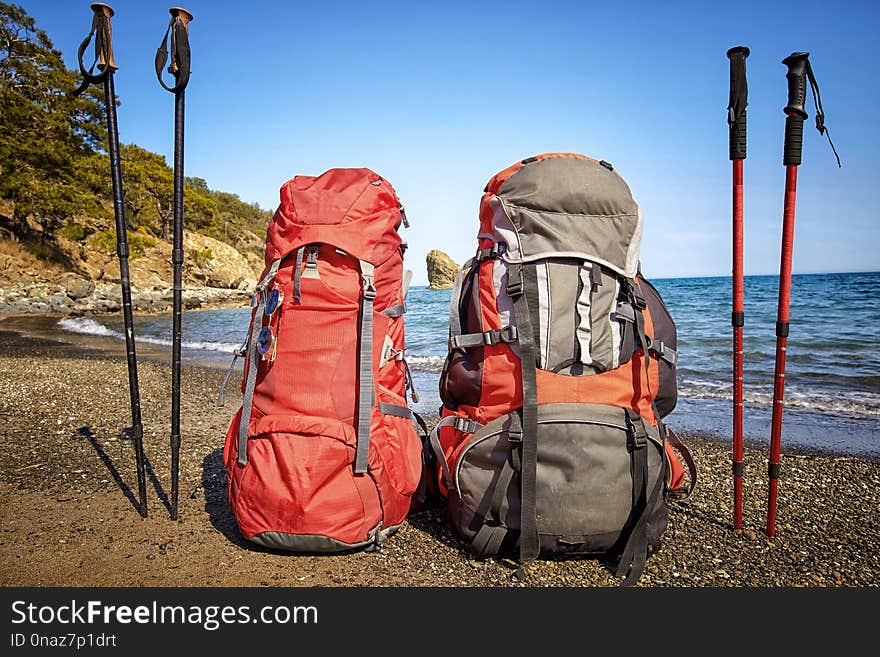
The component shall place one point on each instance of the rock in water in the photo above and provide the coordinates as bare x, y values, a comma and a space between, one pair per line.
442, 270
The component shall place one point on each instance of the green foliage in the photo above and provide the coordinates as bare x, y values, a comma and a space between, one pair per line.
75, 232
44, 131
53, 167
200, 257
138, 243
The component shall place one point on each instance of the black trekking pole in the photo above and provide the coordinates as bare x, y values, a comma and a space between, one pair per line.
102, 33
179, 67
799, 71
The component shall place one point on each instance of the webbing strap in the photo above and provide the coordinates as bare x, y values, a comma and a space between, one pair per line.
253, 362
820, 113
675, 441
407, 279
507, 334
635, 552
297, 274
396, 410
400, 309
625, 312
492, 252
491, 535
180, 55
365, 368
663, 351
523, 295
462, 424
455, 300
103, 53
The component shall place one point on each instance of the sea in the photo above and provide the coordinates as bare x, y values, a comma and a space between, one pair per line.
832, 390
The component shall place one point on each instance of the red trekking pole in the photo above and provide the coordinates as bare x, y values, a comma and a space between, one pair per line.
798, 71
736, 120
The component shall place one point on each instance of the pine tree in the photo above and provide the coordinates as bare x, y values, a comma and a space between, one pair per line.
45, 132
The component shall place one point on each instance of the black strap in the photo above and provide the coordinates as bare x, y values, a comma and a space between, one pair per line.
180, 55
491, 535
635, 552
820, 113
103, 51
523, 294
492, 252
634, 556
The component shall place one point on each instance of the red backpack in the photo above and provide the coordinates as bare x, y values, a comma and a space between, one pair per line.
323, 455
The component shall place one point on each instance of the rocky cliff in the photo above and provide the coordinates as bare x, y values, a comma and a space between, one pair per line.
83, 277
442, 270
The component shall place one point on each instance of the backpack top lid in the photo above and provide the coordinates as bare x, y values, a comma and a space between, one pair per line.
355, 210
564, 205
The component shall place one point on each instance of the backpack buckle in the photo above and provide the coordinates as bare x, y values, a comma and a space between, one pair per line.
638, 300
515, 287
636, 429
466, 425
508, 334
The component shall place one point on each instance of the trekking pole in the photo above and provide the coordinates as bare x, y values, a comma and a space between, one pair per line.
799, 70
102, 32
178, 28
736, 120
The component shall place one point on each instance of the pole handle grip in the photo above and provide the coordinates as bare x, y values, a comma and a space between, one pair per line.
797, 84
181, 13
794, 140
178, 30
739, 99
105, 49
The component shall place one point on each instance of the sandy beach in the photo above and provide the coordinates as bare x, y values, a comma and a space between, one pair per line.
67, 477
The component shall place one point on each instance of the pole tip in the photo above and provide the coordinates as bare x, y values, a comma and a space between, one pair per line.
180, 11
738, 49
101, 7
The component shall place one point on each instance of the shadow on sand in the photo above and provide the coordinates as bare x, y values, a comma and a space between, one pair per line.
88, 434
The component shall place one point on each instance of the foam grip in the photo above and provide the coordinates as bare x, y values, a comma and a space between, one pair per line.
738, 138
794, 140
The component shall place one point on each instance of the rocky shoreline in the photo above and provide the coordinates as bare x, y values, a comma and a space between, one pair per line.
68, 473
74, 295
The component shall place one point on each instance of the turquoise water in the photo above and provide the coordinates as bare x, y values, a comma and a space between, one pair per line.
832, 390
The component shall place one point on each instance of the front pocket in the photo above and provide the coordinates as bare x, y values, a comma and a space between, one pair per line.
395, 463
299, 480
584, 486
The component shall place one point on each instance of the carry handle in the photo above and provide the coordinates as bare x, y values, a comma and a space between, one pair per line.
797, 63
739, 99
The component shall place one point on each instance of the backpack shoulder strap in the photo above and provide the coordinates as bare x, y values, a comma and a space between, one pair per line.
365, 367
247, 405
525, 295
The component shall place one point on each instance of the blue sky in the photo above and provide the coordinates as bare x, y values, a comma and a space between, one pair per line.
437, 97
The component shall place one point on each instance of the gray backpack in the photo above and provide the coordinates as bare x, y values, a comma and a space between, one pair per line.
561, 365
